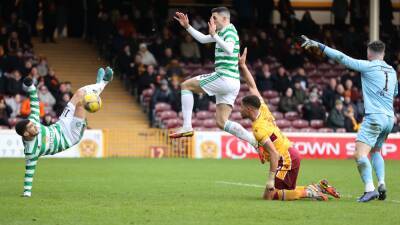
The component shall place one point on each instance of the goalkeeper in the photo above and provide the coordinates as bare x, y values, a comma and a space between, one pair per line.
40, 140
379, 87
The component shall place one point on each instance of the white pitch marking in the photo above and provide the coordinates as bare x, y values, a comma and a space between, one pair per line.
260, 186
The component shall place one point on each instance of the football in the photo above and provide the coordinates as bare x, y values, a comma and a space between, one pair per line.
92, 102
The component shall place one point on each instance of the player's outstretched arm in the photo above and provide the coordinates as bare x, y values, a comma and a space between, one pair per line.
184, 22
30, 166
30, 88
248, 77
340, 57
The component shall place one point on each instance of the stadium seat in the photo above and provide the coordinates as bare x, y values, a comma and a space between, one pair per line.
316, 124
292, 116
202, 115
274, 101
340, 130
290, 129
235, 116
283, 123
171, 123
300, 124
270, 94
277, 115
308, 130
209, 123
212, 107
244, 88
325, 130
168, 115
161, 106
273, 108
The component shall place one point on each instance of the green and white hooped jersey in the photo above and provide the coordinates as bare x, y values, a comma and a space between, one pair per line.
227, 64
50, 140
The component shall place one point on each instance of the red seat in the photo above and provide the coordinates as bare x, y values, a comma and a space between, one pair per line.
340, 130
270, 94
308, 130
202, 115
290, 129
274, 101
235, 116
244, 88
277, 115
316, 124
168, 115
300, 123
147, 92
209, 123
212, 107
325, 130
197, 123
273, 108
283, 123
171, 123
161, 106
291, 116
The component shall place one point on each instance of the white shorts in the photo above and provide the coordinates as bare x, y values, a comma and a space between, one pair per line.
224, 88
71, 126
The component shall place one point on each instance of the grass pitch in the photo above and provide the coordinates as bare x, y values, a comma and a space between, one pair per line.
182, 191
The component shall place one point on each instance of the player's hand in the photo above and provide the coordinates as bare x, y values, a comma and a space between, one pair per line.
27, 84
212, 27
242, 58
308, 43
182, 19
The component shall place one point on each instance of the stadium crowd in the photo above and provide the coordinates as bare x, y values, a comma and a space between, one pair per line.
152, 62
17, 60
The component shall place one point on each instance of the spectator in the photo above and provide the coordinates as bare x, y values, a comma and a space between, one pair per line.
147, 56
176, 93
13, 43
46, 98
264, 80
161, 94
339, 10
359, 110
174, 70
286, 11
288, 102
147, 79
301, 77
43, 68
15, 105
350, 122
14, 83
125, 25
294, 59
355, 77
124, 59
26, 108
336, 116
51, 81
5, 112
198, 23
281, 80
328, 94
49, 21
167, 57
299, 93
61, 104
307, 25
190, 50
313, 109
202, 102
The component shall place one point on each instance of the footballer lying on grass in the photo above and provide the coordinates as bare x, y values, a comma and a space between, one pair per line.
283, 157
40, 140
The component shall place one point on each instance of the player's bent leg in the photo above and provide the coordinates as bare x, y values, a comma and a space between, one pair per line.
223, 112
187, 100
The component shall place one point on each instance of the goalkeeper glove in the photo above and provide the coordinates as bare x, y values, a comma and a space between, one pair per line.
311, 45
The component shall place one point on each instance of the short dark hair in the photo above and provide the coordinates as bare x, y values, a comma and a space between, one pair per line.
252, 100
377, 46
20, 127
221, 9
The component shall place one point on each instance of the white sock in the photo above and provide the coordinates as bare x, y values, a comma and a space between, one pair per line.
381, 182
187, 108
237, 130
369, 187
96, 88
